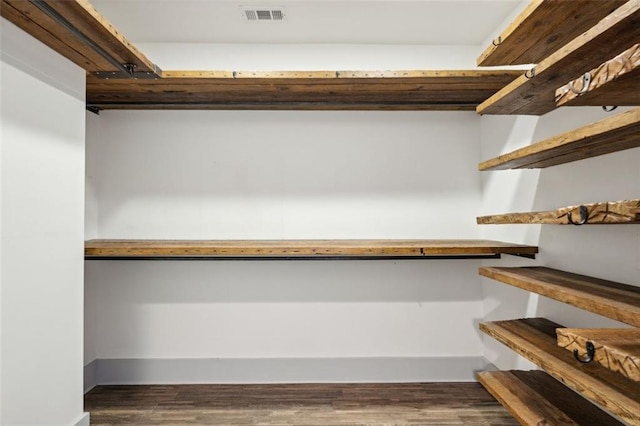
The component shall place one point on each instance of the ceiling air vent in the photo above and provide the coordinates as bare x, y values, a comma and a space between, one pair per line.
262, 13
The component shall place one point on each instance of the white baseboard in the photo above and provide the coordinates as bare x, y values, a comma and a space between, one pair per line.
90, 375
84, 420
281, 370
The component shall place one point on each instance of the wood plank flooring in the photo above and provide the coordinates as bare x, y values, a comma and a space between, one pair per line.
297, 404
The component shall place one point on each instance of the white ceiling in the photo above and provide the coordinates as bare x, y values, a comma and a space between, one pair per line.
457, 22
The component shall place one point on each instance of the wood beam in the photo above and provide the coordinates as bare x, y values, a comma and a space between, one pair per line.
615, 82
300, 248
608, 212
387, 90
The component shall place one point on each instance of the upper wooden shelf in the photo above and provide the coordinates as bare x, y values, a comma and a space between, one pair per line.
615, 82
535, 339
542, 28
76, 30
301, 249
612, 134
533, 93
617, 301
316, 90
121, 77
617, 349
535, 398
614, 212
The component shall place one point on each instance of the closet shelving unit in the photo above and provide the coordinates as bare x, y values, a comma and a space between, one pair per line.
593, 363
120, 76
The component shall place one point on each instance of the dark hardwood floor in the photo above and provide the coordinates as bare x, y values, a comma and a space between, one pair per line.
296, 404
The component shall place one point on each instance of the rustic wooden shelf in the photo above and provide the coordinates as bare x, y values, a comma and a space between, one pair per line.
534, 92
608, 212
617, 301
615, 82
317, 90
535, 339
612, 134
121, 77
76, 30
535, 398
542, 28
616, 349
301, 249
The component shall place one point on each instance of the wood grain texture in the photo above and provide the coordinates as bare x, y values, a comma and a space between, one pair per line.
81, 15
535, 398
297, 404
617, 301
542, 28
84, 17
535, 95
607, 212
369, 90
535, 339
299, 248
615, 133
615, 82
615, 349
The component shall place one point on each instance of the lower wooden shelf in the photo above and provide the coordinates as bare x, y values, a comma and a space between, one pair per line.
617, 301
535, 398
302, 249
614, 348
535, 339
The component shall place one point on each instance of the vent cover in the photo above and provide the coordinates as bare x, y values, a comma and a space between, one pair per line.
262, 13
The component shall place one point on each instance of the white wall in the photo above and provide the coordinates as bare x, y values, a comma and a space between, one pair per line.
609, 252
305, 57
276, 174
42, 199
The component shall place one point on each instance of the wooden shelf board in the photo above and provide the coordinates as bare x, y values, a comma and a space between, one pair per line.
603, 213
542, 28
44, 24
356, 90
535, 398
536, 95
307, 249
615, 349
535, 339
615, 82
615, 133
617, 301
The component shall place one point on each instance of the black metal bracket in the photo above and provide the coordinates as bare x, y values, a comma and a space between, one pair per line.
290, 258
94, 110
584, 216
609, 108
527, 255
497, 42
591, 352
139, 75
